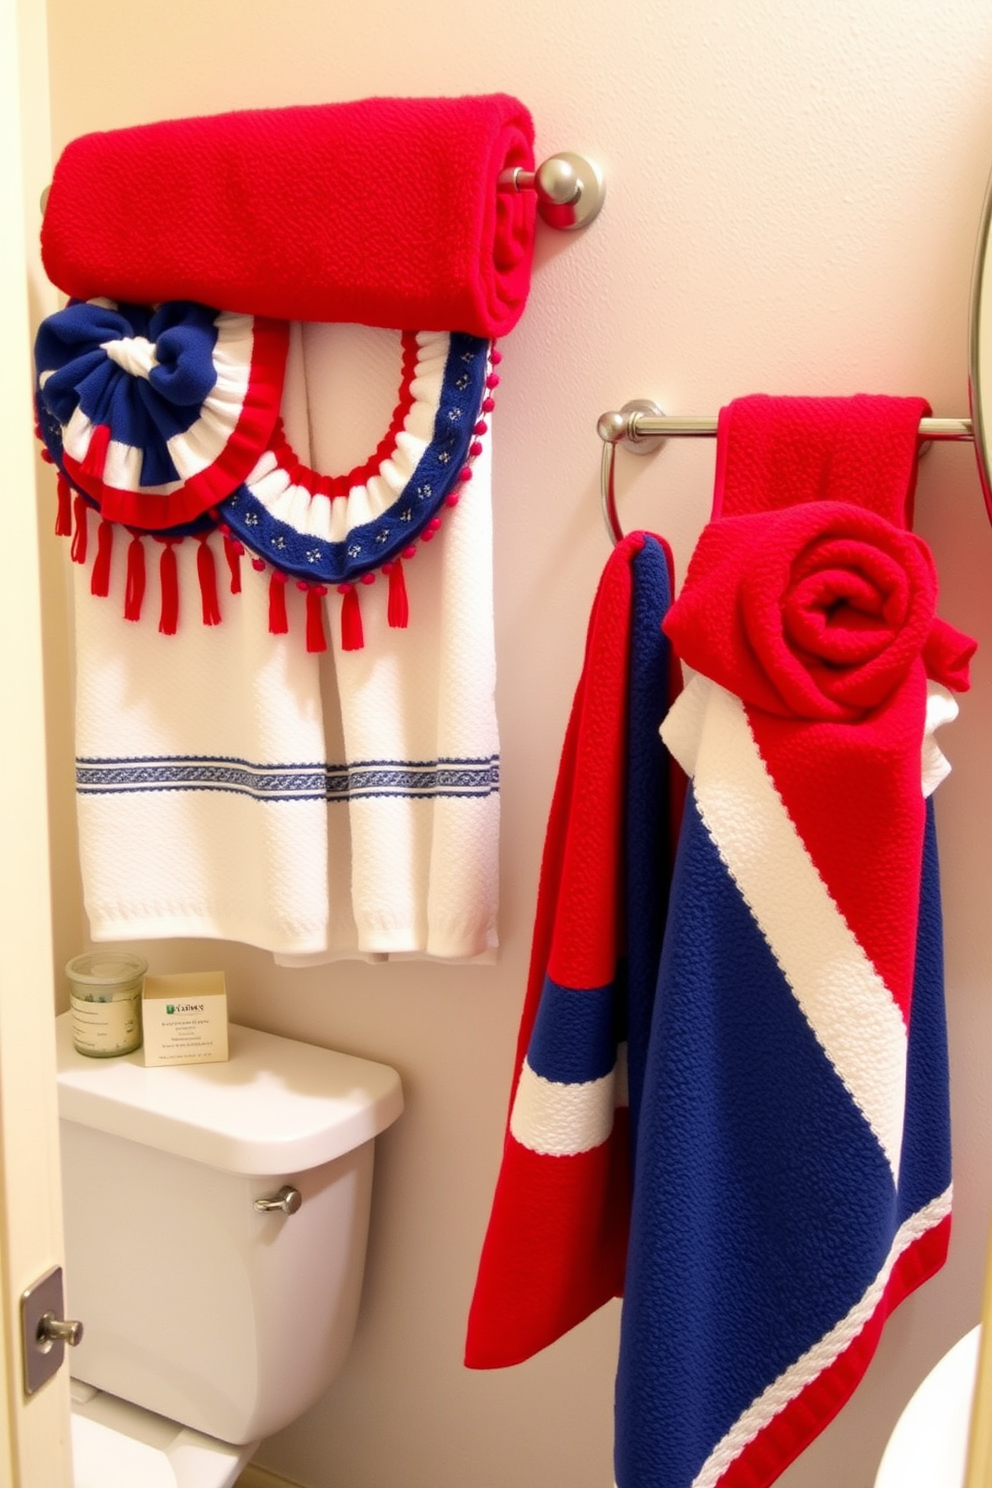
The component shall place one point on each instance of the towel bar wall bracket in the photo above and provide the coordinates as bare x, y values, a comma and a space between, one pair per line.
570, 189
641, 427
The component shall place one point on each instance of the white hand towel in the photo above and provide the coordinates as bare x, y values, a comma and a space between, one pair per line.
417, 817
422, 748
233, 785
200, 768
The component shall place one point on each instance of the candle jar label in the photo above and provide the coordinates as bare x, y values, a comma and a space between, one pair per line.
112, 1027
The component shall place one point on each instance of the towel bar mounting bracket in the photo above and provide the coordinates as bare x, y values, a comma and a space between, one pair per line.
621, 428
570, 189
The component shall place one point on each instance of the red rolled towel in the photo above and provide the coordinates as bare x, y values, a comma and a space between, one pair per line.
819, 612
381, 212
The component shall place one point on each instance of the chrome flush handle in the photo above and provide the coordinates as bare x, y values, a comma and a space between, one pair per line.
288, 1200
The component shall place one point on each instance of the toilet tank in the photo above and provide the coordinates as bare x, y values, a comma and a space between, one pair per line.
194, 1303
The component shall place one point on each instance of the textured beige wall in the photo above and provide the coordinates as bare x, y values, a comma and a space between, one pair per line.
794, 192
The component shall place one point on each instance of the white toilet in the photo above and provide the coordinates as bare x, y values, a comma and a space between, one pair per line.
928, 1447
209, 1320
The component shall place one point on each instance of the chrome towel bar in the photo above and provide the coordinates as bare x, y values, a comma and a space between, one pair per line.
641, 427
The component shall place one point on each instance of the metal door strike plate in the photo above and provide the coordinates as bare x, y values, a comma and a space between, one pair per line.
44, 1331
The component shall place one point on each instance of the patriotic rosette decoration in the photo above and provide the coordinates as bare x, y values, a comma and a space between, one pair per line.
155, 414
151, 416
165, 421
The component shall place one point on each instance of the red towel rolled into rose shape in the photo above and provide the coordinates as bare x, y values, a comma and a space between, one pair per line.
381, 212
815, 612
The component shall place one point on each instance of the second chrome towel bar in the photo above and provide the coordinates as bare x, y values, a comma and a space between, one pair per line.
641, 426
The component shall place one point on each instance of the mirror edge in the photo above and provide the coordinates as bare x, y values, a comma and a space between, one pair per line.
980, 289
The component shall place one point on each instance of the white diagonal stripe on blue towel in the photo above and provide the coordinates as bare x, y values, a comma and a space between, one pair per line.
847, 1004
792, 1381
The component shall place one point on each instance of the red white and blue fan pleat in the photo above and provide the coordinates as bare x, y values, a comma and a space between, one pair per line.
157, 414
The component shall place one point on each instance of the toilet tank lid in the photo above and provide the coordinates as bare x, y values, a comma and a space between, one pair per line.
276, 1106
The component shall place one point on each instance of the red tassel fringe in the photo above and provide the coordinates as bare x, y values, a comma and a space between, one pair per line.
134, 592
232, 551
352, 635
100, 577
207, 574
79, 510
63, 517
168, 622
278, 623
316, 639
398, 610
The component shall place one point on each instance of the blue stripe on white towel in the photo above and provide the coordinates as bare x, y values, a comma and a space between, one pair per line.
408, 779
414, 778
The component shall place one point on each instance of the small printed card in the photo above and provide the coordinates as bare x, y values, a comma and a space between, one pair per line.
184, 1018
